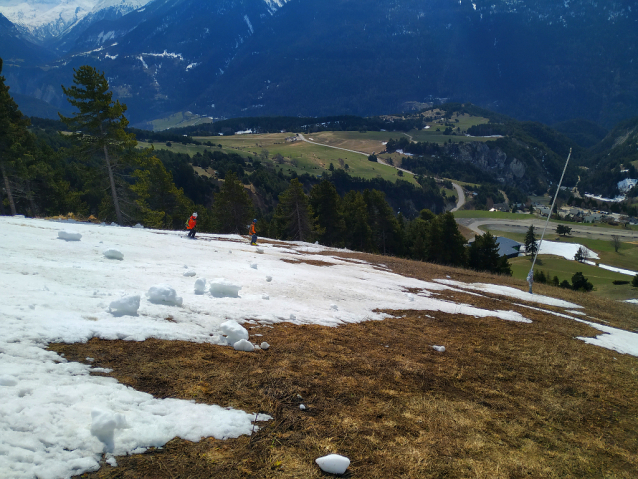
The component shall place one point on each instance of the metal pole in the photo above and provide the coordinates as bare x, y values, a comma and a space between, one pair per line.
530, 276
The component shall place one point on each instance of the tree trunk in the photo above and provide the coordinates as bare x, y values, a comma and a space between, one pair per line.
116, 204
34, 208
7, 187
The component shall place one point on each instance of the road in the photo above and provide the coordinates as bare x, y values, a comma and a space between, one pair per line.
461, 195
460, 202
521, 226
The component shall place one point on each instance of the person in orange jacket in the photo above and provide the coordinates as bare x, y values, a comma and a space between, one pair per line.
253, 233
190, 226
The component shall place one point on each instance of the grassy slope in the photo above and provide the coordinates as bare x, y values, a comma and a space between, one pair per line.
505, 399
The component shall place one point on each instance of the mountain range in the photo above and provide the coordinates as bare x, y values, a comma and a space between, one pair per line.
531, 59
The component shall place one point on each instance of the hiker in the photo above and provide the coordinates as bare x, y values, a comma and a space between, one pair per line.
190, 226
253, 233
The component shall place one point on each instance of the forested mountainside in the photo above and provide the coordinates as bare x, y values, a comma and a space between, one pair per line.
533, 60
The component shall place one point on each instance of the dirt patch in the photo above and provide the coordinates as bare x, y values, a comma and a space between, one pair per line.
505, 399
313, 262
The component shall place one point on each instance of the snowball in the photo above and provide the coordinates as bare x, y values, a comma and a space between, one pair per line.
253, 266
104, 425
190, 273
334, 307
265, 296
138, 226
333, 463
200, 286
222, 288
7, 380
69, 235
233, 331
302, 407
264, 345
163, 294
243, 345
269, 278
126, 305
440, 349
260, 250
113, 253
111, 461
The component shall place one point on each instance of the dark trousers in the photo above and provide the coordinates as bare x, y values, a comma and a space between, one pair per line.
191, 233
253, 239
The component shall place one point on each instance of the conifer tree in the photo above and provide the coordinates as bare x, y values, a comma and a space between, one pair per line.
13, 134
99, 125
327, 205
530, 242
483, 255
358, 231
383, 223
294, 216
452, 241
232, 209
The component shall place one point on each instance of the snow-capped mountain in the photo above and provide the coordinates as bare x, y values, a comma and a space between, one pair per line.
47, 19
533, 59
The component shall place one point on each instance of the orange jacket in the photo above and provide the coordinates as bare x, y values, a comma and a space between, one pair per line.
192, 221
252, 229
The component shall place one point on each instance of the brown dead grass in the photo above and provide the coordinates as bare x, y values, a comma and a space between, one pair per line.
312, 262
506, 400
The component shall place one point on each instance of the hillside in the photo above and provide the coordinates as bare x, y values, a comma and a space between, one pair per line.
533, 59
150, 385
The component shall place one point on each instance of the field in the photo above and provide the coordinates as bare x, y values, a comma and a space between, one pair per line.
565, 269
627, 256
505, 400
299, 156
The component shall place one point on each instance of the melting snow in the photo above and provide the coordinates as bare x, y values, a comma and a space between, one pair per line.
57, 419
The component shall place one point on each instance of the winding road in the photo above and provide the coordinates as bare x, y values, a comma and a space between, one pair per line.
521, 226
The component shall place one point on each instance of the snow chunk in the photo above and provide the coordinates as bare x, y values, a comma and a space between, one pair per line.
138, 226
269, 278
243, 345
440, 349
233, 331
222, 288
264, 345
113, 253
253, 265
333, 463
126, 305
190, 273
265, 296
69, 235
200, 285
7, 380
260, 250
104, 425
334, 307
302, 407
163, 294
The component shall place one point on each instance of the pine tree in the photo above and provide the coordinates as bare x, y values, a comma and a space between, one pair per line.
358, 231
294, 216
452, 241
13, 134
530, 242
233, 209
383, 223
483, 255
327, 205
99, 125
